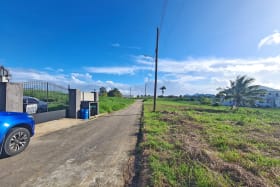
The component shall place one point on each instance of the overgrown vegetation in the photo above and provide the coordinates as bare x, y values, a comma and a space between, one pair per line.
110, 104
189, 144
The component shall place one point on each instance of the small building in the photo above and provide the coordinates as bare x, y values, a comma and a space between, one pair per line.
270, 99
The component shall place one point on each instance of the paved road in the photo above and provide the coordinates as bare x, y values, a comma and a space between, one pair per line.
95, 153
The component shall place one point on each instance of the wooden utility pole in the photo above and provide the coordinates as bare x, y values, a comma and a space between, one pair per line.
145, 89
156, 67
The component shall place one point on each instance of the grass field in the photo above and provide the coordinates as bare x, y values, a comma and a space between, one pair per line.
110, 104
187, 144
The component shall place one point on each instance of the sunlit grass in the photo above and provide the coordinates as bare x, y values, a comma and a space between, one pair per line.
248, 138
110, 104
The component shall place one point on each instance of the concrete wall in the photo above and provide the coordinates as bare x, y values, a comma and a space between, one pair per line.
74, 103
49, 116
87, 96
11, 95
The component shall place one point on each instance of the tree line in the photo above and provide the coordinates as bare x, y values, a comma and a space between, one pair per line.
111, 93
241, 92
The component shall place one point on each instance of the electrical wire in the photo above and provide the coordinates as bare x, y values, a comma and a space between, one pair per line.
179, 15
163, 13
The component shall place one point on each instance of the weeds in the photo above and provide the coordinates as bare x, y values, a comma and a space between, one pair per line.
198, 145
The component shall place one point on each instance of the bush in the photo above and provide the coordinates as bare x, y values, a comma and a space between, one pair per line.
205, 101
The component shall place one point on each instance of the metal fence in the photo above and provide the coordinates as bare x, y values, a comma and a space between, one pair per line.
54, 96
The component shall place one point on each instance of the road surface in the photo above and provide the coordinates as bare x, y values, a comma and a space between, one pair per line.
95, 153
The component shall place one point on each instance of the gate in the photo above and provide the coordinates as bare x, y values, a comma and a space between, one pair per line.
52, 100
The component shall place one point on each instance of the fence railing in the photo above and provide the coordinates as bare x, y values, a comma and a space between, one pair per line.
54, 95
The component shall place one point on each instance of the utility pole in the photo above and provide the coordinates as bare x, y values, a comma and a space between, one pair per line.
145, 89
146, 85
156, 67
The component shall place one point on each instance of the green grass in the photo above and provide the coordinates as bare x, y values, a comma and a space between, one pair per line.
110, 104
189, 144
56, 100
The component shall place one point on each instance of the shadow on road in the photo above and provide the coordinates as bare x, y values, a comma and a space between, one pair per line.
2, 156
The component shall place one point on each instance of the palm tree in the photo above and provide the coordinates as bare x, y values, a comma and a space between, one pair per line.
241, 92
163, 88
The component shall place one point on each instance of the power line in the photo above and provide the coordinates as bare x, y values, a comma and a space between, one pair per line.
174, 25
163, 13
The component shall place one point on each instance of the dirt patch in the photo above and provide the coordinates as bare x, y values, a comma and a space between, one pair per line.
136, 172
129, 171
275, 124
211, 161
51, 126
178, 119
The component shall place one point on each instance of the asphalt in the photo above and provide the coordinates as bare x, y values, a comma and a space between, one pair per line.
74, 152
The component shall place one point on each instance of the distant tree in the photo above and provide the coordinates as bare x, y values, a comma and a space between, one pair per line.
241, 92
114, 93
163, 88
205, 101
102, 91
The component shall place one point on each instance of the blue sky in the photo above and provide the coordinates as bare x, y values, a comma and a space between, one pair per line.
89, 44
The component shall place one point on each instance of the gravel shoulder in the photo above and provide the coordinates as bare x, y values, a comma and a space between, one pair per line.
92, 153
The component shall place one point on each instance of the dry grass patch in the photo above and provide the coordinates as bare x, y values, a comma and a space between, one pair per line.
195, 145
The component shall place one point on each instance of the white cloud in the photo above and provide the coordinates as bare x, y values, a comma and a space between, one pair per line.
117, 70
79, 78
144, 60
118, 45
21, 75
270, 40
84, 76
202, 75
80, 81
214, 65
112, 70
60, 70
54, 70
115, 45
49, 68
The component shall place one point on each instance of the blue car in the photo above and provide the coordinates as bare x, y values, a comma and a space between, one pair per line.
15, 131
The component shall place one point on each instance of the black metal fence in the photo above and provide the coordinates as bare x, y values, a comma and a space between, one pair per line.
55, 97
